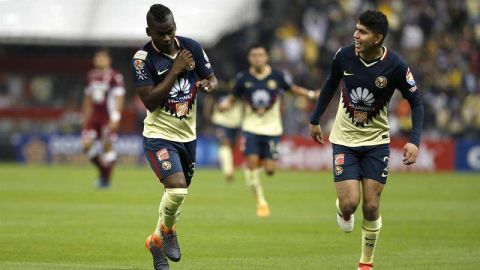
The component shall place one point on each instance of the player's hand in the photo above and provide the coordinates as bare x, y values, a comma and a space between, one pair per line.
205, 85
316, 133
182, 62
410, 153
313, 95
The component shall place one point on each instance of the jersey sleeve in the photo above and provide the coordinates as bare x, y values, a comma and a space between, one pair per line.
285, 81
142, 72
406, 84
328, 89
202, 63
238, 85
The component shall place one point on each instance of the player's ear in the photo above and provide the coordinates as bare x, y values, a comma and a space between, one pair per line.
378, 39
147, 30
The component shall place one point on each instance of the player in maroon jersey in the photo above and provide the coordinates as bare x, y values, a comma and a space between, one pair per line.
101, 113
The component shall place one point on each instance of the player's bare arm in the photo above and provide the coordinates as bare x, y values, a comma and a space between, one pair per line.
117, 113
154, 96
86, 109
208, 84
301, 91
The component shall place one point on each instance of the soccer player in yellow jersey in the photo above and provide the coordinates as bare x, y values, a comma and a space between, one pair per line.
368, 74
261, 88
168, 73
227, 127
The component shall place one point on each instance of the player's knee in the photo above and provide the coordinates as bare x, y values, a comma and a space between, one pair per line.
348, 205
370, 208
270, 171
177, 195
176, 180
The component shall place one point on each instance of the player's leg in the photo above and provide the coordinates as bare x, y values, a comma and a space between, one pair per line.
165, 161
346, 169
93, 148
375, 169
225, 153
108, 157
269, 153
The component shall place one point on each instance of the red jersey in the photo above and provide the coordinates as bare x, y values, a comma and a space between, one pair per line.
103, 86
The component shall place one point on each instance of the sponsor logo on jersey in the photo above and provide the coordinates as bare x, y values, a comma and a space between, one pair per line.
181, 86
162, 154
181, 108
409, 77
339, 159
360, 117
381, 82
360, 95
261, 98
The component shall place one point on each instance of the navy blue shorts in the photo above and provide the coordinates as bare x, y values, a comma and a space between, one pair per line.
361, 162
168, 157
230, 134
266, 147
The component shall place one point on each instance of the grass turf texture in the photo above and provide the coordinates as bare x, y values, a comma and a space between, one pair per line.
53, 218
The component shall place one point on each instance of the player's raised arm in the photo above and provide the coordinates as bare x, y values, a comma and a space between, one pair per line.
154, 96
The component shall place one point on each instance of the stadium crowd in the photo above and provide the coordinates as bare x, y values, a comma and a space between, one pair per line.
440, 40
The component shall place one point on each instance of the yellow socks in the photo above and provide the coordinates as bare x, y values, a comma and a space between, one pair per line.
370, 233
252, 178
226, 159
169, 208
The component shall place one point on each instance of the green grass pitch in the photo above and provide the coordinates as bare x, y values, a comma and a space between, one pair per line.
53, 218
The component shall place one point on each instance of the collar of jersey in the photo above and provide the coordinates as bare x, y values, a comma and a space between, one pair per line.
262, 76
166, 54
385, 52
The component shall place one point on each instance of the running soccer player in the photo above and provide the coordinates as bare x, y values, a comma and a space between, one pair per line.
227, 128
168, 71
260, 88
101, 113
368, 73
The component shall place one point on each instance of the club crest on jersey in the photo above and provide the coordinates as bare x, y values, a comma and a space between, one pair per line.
381, 82
191, 65
272, 84
409, 78
166, 165
338, 170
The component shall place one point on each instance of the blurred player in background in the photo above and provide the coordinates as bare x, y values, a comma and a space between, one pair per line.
168, 71
260, 88
227, 127
369, 73
102, 110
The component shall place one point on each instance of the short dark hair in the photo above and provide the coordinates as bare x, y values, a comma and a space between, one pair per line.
375, 21
158, 12
256, 46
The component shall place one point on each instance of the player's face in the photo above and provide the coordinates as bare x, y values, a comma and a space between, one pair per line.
101, 60
163, 34
364, 38
258, 57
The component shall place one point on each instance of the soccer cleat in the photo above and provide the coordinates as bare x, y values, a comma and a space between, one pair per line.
101, 184
154, 245
170, 244
263, 210
345, 225
365, 266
